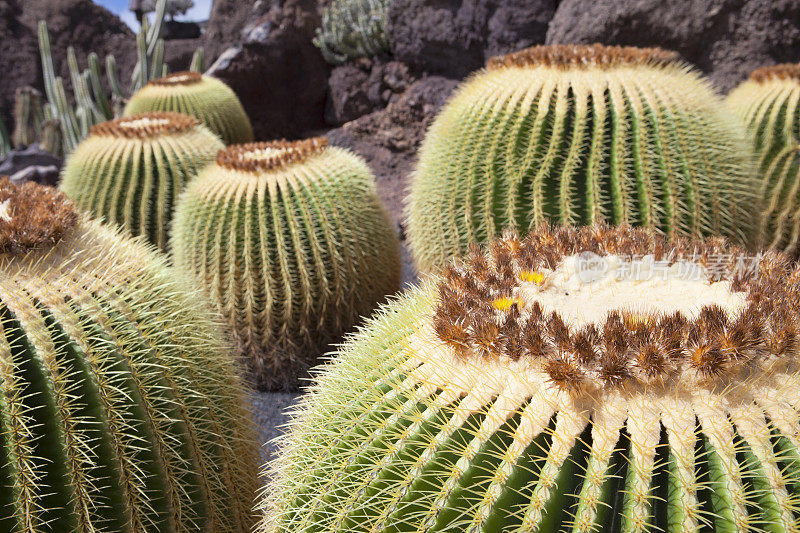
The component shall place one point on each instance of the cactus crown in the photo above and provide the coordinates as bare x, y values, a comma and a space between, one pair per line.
178, 78
584, 56
494, 304
145, 125
32, 216
263, 156
783, 71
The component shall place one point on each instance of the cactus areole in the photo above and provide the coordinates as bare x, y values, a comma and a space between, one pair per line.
578, 135
579, 380
120, 408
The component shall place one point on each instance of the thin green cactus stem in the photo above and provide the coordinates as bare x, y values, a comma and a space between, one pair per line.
132, 170
290, 241
203, 97
5, 138
120, 407
578, 135
507, 395
768, 104
28, 116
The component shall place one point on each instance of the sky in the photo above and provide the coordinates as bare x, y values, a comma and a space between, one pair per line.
200, 11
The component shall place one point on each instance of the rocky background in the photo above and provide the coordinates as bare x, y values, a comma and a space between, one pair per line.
381, 106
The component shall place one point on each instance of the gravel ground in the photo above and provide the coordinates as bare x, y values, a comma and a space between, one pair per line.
270, 414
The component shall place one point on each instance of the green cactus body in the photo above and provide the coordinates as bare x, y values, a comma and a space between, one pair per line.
579, 135
203, 97
120, 407
509, 396
768, 104
132, 170
291, 242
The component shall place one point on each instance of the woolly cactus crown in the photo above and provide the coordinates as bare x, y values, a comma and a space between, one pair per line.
120, 409
132, 170
203, 97
768, 103
290, 240
580, 134
659, 393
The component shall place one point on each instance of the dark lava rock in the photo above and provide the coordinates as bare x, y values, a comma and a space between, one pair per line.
31, 164
456, 37
727, 39
18, 57
225, 24
175, 29
178, 53
388, 139
277, 72
362, 86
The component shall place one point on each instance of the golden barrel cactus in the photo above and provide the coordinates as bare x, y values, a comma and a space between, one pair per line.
203, 97
290, 240
768, 104
132, 170
580, 134
120, 406
595, 379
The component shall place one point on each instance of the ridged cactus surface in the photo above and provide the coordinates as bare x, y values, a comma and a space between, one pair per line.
290, 240
203, 97
768, 104
120, 407
579, 135
509, 396
132, 170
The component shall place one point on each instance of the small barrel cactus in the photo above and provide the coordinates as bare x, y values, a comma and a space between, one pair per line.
120, 407
291, 242
579, 135
768, 104
203, 97
593, 379
132, 170
352, 29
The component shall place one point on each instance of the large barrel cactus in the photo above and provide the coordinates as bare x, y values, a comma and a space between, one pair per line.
132, 170
120, 407
291, 242
587, 380
203, 97
578, 135
768, 104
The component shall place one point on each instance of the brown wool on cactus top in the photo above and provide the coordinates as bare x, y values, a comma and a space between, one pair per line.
32, 216
257, 157
485, 310
783, 71
145, 125
584, 55
178, 78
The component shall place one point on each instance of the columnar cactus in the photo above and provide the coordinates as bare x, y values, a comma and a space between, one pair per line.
578, 135
768, 104
580, 380
132, 170
120, 406
291, 242
203, 97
